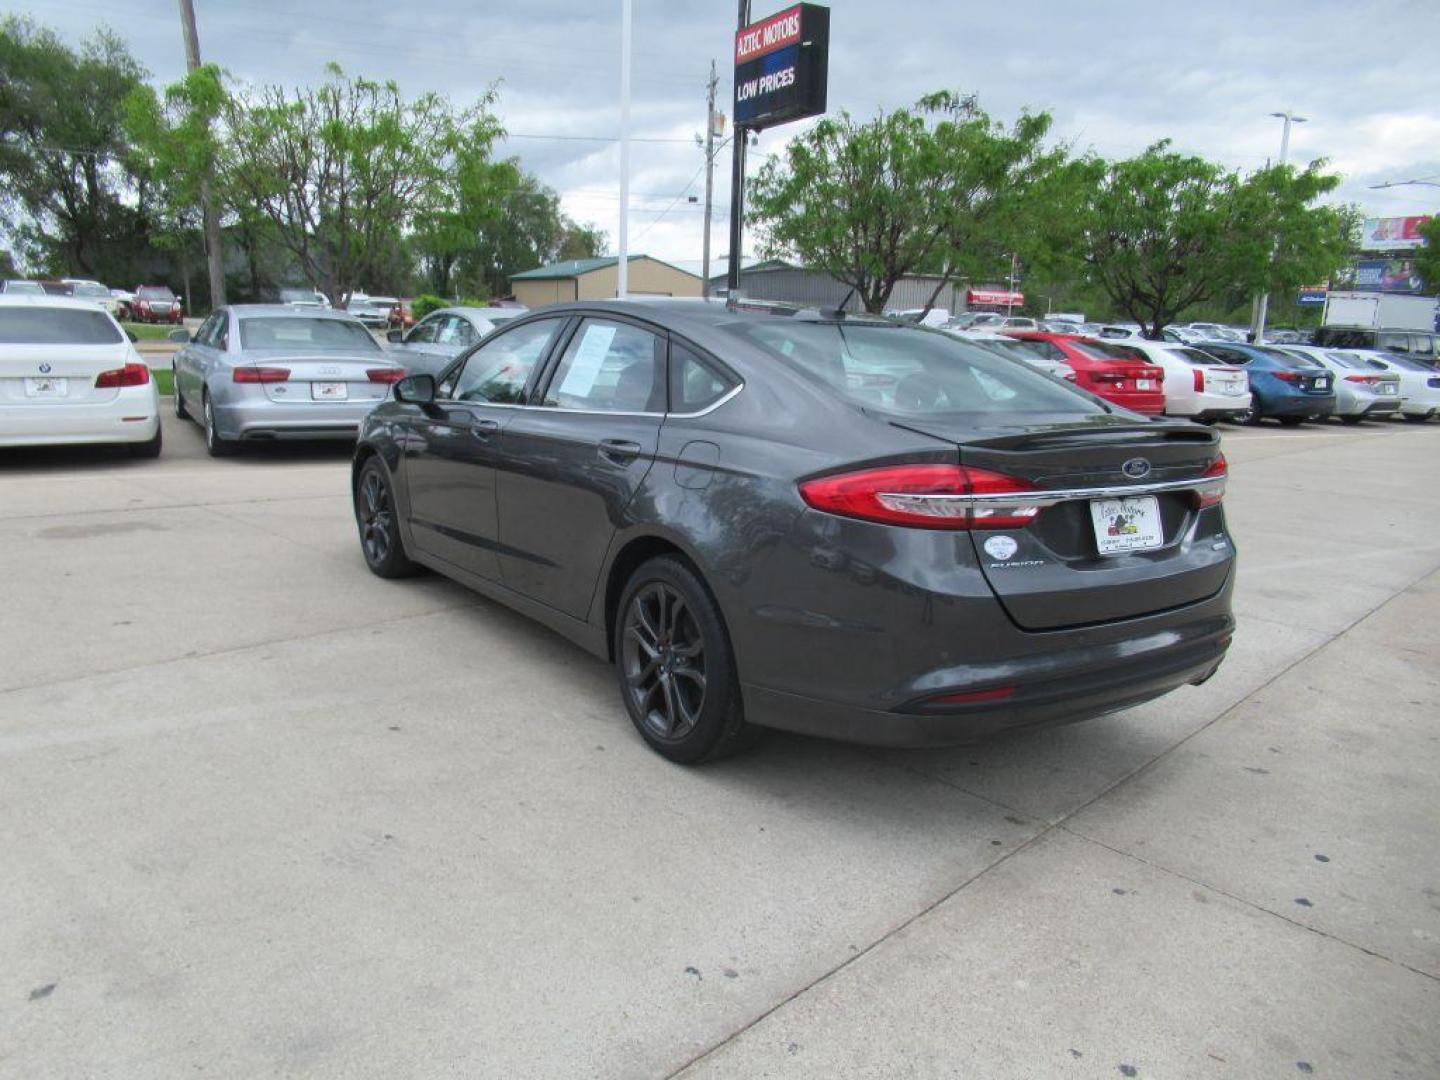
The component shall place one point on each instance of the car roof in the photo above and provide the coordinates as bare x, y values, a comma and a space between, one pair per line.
289, 311
48, 300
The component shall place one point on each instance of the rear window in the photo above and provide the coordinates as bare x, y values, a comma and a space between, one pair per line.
1404, 363
298, 332
1101, 350
1353, 363
1288, 359
912, 372
24, 288
1198, 357
1020, 350
56, 326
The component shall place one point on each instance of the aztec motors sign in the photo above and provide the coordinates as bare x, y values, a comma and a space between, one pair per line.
780, 67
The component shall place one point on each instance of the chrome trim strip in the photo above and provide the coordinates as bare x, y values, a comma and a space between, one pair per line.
1051, 498
721, 400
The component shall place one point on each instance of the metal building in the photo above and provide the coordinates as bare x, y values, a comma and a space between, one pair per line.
777, 279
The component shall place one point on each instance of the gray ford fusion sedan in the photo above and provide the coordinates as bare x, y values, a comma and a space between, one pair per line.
827, 524
276, 371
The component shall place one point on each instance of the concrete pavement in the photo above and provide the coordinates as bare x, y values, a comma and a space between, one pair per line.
270, 815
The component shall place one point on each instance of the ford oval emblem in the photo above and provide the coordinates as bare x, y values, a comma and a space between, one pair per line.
1137, 468
44, 369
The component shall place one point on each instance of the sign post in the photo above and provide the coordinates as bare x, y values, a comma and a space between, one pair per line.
781, 74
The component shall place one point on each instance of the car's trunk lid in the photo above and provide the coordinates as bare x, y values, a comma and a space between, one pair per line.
318, 376
58, 374
1051, 573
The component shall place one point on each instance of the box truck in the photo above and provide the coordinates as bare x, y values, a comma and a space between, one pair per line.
1379, 311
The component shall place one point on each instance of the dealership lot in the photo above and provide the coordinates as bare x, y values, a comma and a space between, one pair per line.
269, 815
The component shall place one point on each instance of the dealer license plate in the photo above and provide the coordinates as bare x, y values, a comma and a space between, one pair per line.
46, 388
1125, 525
1144, 384
1387, 388
329, 391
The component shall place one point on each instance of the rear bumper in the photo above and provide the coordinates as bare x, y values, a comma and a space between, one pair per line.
1296, 405
133, 416
1052, 688
266, 421
1147, 404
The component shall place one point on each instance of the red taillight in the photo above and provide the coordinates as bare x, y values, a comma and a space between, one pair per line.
925, 496
1286, 376
971, 697
1213, 491
385, 374
129, 375
1199, 381
261, 374
1368, 380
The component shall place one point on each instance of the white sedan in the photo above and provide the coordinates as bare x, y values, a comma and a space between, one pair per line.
1419, 383
69, 374
1197, 384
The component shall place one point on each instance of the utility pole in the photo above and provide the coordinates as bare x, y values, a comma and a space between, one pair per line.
1261, 306
622, 284
709, 178
737, 186
213, 253
1010, 296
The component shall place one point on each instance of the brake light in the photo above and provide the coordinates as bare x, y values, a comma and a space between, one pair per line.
1368, 380
1199, 381
925, 496
385, 374
1212, 490
261, 374
1286, 376
971, 697
129, 375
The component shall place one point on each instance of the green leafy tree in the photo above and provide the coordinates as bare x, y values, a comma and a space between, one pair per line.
533, 231
341, 171
64, 188
1427, 257
940, 189
1163, 232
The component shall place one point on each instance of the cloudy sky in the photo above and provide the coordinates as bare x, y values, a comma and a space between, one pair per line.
1116, 74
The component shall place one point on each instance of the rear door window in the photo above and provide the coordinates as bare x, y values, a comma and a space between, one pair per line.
608, 366
1394, 342
1197, 357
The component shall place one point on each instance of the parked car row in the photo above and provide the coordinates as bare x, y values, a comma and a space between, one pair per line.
148, 303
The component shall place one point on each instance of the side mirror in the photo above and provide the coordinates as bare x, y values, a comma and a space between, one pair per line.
132, 336
180, 337
416, 390
396, 336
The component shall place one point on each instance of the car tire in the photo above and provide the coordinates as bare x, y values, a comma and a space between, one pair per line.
379, 523
1250, 415
180, 413
1351, 421
215, 444
675, 667
1292, 421
150, 448
1420, 418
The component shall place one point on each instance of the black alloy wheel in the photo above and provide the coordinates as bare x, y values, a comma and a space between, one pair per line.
677, 673
379, 533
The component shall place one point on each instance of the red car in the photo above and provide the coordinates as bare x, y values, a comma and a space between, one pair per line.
1112, 371
401, 317
156, 304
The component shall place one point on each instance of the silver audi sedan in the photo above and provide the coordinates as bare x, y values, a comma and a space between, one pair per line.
261, 372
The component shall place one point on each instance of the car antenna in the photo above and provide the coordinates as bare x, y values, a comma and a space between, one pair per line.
838, 311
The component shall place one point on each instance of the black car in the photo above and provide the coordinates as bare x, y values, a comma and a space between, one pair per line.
828, 524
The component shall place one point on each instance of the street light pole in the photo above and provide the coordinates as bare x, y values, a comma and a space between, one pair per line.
1262, 302
214, 256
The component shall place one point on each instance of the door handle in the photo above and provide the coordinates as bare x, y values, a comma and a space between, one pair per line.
483, 429
619, 451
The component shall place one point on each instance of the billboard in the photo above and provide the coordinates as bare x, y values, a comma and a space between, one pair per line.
1387, 275
1314, 294
781, 67
994, 297
1392, 233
